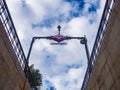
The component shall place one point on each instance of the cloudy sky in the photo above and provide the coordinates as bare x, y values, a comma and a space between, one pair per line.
62, 67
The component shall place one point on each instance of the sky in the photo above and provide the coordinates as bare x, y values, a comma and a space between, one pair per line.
62, 66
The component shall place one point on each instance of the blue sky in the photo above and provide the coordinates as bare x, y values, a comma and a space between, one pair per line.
62, 67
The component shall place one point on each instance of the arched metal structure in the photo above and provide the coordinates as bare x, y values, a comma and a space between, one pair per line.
59, 38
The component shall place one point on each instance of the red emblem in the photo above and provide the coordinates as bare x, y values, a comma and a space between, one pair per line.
58, 38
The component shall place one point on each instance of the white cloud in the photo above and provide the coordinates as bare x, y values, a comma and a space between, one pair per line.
55, 70
70, 81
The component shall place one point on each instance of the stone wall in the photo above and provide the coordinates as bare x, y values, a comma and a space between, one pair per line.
106, 71
11, 74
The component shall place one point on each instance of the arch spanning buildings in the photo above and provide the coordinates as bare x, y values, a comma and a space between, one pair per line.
103, 72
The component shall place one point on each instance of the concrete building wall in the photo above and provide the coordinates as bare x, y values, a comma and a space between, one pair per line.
11, 74
106, 71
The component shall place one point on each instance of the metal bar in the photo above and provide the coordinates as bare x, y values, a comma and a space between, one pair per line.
87, 52
29, 52
85, 80
74, 38
47, 37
